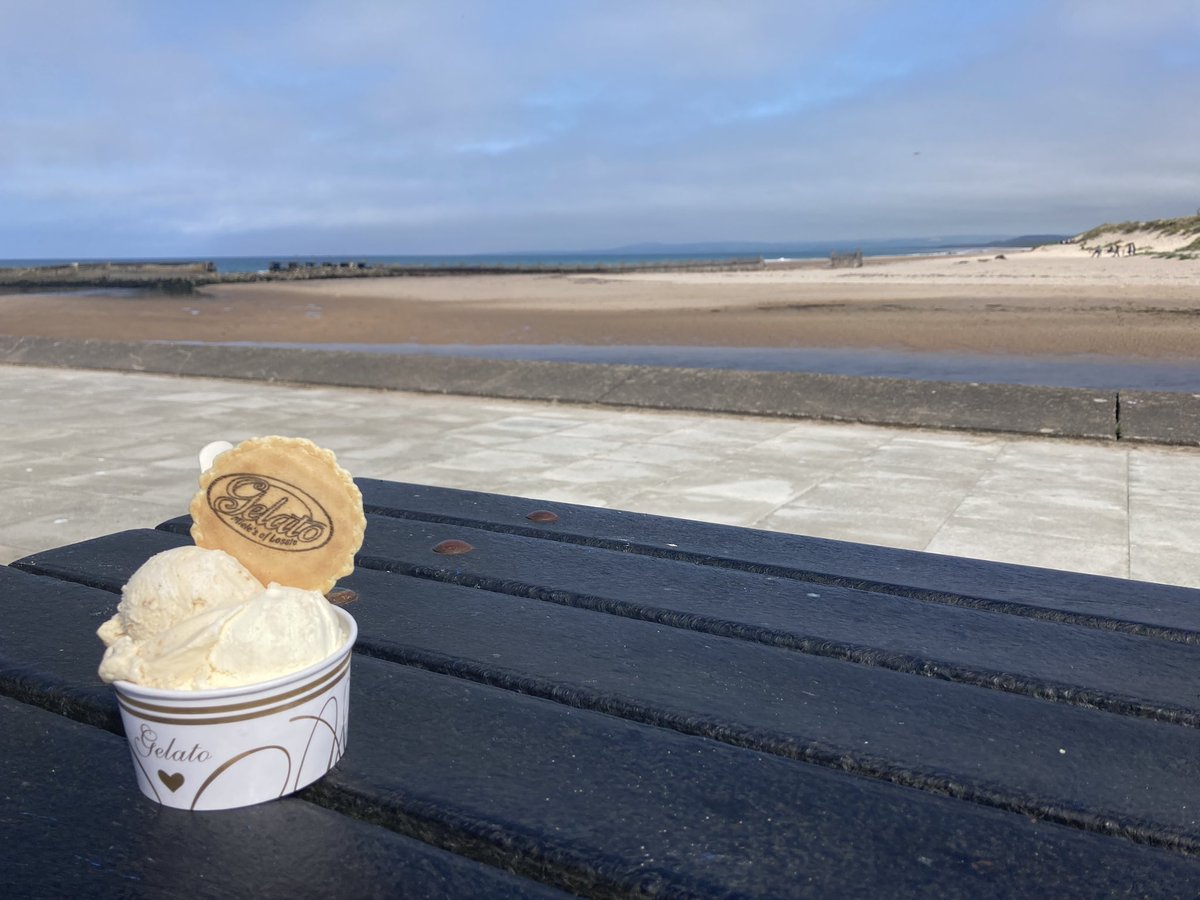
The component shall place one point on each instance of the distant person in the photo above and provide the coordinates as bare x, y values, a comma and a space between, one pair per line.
1096, 253
1130, 249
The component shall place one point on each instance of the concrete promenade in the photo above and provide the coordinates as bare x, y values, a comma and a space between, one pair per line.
84, 453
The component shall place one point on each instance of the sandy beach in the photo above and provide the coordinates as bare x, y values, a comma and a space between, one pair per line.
1052, 300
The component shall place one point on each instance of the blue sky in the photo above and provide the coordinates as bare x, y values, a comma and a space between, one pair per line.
257, 128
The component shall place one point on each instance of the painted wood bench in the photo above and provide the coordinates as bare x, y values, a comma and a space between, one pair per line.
604, 703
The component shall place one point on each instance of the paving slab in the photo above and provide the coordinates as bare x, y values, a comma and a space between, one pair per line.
1160, 417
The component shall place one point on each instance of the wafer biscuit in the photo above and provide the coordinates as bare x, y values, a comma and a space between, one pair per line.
284, 508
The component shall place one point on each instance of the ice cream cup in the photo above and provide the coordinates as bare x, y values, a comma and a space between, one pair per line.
229, 747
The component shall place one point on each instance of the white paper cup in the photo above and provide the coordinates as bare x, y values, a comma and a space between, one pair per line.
228, 747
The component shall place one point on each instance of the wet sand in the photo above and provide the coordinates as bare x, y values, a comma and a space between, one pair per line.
1051, 301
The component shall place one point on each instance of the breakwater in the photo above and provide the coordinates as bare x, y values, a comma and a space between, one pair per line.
184, 277
171, 277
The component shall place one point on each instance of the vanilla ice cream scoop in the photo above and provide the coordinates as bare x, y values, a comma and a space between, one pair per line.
191, 619
282, 630
174, 585
277, 631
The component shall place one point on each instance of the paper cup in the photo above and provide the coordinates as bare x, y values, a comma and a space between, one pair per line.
228, 747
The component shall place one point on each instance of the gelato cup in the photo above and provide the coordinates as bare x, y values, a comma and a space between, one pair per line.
230, 747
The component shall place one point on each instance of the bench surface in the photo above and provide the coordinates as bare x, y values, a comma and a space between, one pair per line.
604, 703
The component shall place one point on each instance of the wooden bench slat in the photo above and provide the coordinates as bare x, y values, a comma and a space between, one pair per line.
104, 562
1119, 774
49, 651
1024, 590
74, 824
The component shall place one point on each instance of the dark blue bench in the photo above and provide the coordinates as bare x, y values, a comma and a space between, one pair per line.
605, 703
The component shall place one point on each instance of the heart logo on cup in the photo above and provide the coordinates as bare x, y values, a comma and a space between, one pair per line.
173, 782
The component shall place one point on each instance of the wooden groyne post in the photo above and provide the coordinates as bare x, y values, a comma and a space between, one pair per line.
846, 260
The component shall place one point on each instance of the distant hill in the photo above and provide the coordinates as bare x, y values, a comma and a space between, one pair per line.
1032, 240
876, 247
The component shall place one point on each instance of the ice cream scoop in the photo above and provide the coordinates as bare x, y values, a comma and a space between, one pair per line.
196, 620
280, 631
174, 585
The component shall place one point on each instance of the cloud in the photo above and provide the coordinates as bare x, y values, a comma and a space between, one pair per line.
470, 125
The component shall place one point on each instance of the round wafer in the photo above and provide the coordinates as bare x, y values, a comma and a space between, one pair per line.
284, 508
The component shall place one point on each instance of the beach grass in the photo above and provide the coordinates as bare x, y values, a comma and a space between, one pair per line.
1182, 225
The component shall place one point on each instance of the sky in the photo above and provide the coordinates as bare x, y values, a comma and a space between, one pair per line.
133, 128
